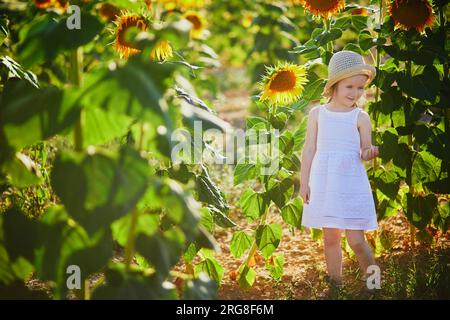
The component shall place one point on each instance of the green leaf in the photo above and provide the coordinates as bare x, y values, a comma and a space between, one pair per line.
253, 121
102, 126
300, 135
14, 69
94, 258
366, 41
190, 253
424, 86
328, 36
276, 267
208, 192
268, 238
278, 121
422, 209
162, 250
286, 142
359, 22
425, 168
247, 277
207, 220
147, 224
240, 242
292, 213
253, 204
389, 146
211, 267
37, 115
45, 38
245, 171
280, 192
21, 171
387, 182
98, 189
313, 90
220, 218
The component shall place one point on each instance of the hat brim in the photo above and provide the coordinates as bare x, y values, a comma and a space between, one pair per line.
365, 69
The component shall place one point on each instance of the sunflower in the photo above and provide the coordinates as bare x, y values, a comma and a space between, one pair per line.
198, 24
283, 84
411, 14
161, 51
109, 11
125, 22
43, 4
59, 5
323, 8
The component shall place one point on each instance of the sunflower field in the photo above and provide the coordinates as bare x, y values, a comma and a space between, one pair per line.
120, 177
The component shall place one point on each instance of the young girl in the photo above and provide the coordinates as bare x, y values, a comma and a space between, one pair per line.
334, 184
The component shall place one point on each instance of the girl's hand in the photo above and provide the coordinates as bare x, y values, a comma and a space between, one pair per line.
305, 193
370, 152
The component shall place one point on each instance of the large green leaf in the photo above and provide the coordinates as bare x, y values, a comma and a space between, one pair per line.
388, 183
163, 249
423, 208
98, 189
208, 191
240, 242
424, 86
280, 192
245, 170
211, 267
254, 204
292, 212
45, 38
247, 277
268, 238
146, 224
28, 114
425, 168
220, 218
102, 126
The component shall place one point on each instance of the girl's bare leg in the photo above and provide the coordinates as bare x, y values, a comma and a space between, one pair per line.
361, 248
333, 253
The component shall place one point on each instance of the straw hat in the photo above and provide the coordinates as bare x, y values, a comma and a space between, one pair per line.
344, 64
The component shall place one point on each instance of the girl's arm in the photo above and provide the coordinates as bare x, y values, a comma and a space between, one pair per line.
309, 150
368, 151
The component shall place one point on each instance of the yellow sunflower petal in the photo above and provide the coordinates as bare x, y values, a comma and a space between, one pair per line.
162, 51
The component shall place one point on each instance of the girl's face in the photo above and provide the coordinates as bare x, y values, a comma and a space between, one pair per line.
349, 90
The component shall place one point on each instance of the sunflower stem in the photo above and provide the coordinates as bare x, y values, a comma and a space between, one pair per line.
75, 76
129, 248
377, 90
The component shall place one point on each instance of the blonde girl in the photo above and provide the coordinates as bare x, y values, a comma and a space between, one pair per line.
334, 184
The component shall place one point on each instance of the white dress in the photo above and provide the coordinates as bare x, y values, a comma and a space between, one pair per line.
340, 196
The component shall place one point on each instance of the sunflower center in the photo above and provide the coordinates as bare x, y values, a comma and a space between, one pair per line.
126, 24
411, 13
283, 81
195, 21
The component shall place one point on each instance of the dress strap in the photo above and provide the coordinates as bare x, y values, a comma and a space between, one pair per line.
356, 113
